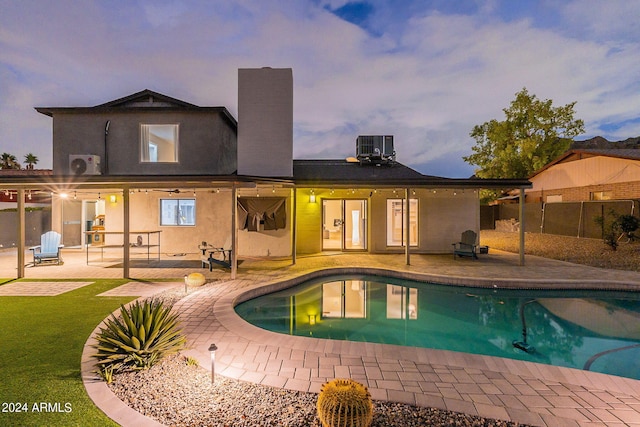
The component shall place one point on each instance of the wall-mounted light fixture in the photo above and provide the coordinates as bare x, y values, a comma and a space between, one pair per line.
312, 197
312, 319
113, 198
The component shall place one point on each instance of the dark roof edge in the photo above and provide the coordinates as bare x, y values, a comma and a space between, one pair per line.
183, 181
49, 111
204, 180
429, 182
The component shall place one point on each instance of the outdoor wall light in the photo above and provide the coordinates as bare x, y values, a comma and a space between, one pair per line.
312, 319
312, 197
212, 350
113, 198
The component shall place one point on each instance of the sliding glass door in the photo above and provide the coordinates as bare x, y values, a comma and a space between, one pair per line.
344, 224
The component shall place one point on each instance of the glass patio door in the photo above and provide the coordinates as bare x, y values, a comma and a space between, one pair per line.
344, 224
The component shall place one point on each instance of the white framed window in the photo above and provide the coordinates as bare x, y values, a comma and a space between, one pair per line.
402, 302
181, 212
159, 143
396, 222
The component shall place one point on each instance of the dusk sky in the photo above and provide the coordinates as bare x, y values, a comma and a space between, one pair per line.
423, 71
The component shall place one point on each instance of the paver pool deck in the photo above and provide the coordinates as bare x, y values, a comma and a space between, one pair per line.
524, 392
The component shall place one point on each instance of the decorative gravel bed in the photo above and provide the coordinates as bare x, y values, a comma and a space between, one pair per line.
592, 252
177, 394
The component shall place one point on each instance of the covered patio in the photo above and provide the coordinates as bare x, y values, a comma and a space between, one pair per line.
301, 222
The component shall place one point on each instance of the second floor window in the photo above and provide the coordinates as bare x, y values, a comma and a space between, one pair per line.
159, 143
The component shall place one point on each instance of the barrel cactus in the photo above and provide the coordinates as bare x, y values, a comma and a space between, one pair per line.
344, 403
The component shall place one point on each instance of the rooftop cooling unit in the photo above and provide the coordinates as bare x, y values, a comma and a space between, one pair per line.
84, 164
375, 149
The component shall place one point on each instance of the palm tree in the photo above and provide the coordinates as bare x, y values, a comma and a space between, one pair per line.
9, 161
30, 159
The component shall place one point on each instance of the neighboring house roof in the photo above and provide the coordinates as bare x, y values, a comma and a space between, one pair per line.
579, 154
342, 172
25, 172
139, 101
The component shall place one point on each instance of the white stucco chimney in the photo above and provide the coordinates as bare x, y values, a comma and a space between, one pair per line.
265, 122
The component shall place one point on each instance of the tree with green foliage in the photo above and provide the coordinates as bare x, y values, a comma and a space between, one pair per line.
533, 133
9, 161
30, 159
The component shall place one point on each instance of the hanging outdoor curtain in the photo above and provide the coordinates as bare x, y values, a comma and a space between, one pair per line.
262, 213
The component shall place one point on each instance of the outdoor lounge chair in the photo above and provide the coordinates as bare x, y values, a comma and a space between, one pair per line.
466, 247
48, 250
212, 255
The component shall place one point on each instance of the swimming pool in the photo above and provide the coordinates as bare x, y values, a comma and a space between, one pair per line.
593, 330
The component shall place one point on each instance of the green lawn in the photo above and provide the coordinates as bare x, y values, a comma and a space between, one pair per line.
41, 342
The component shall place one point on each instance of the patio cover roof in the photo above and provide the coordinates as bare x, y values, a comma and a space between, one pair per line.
335, 173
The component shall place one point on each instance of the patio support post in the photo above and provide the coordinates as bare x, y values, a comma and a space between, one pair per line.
294, 225
21, 233
521, 232
126, 230
407, 230
234, 231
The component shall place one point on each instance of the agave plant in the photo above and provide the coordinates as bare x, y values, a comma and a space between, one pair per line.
139, 337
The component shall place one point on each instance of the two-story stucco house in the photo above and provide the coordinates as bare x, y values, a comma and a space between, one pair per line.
149, 169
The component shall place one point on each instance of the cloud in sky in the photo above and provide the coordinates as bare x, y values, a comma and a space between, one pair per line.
424, 71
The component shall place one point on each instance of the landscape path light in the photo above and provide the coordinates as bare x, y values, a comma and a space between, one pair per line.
212, 350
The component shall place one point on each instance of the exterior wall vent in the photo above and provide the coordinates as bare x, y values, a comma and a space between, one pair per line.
375, 149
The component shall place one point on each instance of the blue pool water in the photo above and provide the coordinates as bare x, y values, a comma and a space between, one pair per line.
593, 330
